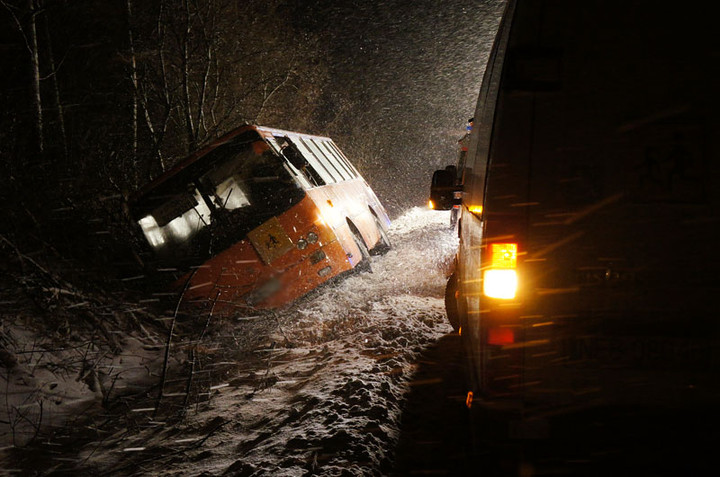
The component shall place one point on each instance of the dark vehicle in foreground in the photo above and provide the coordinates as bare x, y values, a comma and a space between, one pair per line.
588, 270
258, 218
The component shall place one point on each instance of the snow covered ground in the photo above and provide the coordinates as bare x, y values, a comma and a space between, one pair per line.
316, 389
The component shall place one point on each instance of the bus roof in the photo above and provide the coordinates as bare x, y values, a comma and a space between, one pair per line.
200, 153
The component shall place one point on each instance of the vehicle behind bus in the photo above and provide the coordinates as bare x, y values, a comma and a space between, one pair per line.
444, 189
447, 184
259, 218
587, 270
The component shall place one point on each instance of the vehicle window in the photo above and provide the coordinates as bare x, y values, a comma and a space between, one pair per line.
321, 159
338, 160
176, 220
306, 173
204, 208
231, 195
314, 163
342, 157
328, 160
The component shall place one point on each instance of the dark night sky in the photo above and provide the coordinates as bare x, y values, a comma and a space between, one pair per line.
403, 79
411, 72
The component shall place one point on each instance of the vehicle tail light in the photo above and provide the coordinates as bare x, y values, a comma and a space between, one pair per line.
500, 336
500, 277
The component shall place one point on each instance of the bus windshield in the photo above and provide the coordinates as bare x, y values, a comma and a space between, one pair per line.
214, 202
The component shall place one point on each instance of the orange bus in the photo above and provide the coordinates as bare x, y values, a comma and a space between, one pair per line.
258, 218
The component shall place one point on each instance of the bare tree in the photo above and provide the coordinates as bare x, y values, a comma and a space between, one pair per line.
135, 92
29, 36
35, 72
55, 85
203, 67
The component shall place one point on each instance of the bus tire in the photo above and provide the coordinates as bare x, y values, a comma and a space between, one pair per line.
451, 303
364, 263
383, 244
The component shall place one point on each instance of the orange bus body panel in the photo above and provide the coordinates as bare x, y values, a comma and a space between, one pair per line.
226, 281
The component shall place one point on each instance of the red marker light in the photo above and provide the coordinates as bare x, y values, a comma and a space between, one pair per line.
500, 336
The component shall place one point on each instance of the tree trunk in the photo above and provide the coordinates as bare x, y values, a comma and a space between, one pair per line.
135, 93
56, 87
189, 127
35, 82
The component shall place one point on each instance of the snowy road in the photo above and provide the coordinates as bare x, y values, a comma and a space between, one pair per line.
320, 391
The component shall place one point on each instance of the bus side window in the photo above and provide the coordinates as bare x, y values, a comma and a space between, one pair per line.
318, 161
313, 162
347, 173
342, 157
296, 158
328, 161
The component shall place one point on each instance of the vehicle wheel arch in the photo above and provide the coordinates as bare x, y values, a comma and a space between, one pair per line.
383, 244
451, 302
364, 263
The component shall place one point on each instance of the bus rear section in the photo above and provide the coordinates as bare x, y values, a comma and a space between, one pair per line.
590, 279
257, 219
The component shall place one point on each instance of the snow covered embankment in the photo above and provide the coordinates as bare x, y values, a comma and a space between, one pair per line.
325, 394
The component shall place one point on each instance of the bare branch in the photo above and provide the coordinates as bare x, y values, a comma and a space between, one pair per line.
9, 8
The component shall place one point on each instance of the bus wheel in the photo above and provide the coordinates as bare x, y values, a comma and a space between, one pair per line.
364, 263
451, 304
383, 244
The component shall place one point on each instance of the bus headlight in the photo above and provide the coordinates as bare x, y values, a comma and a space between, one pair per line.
330, 216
